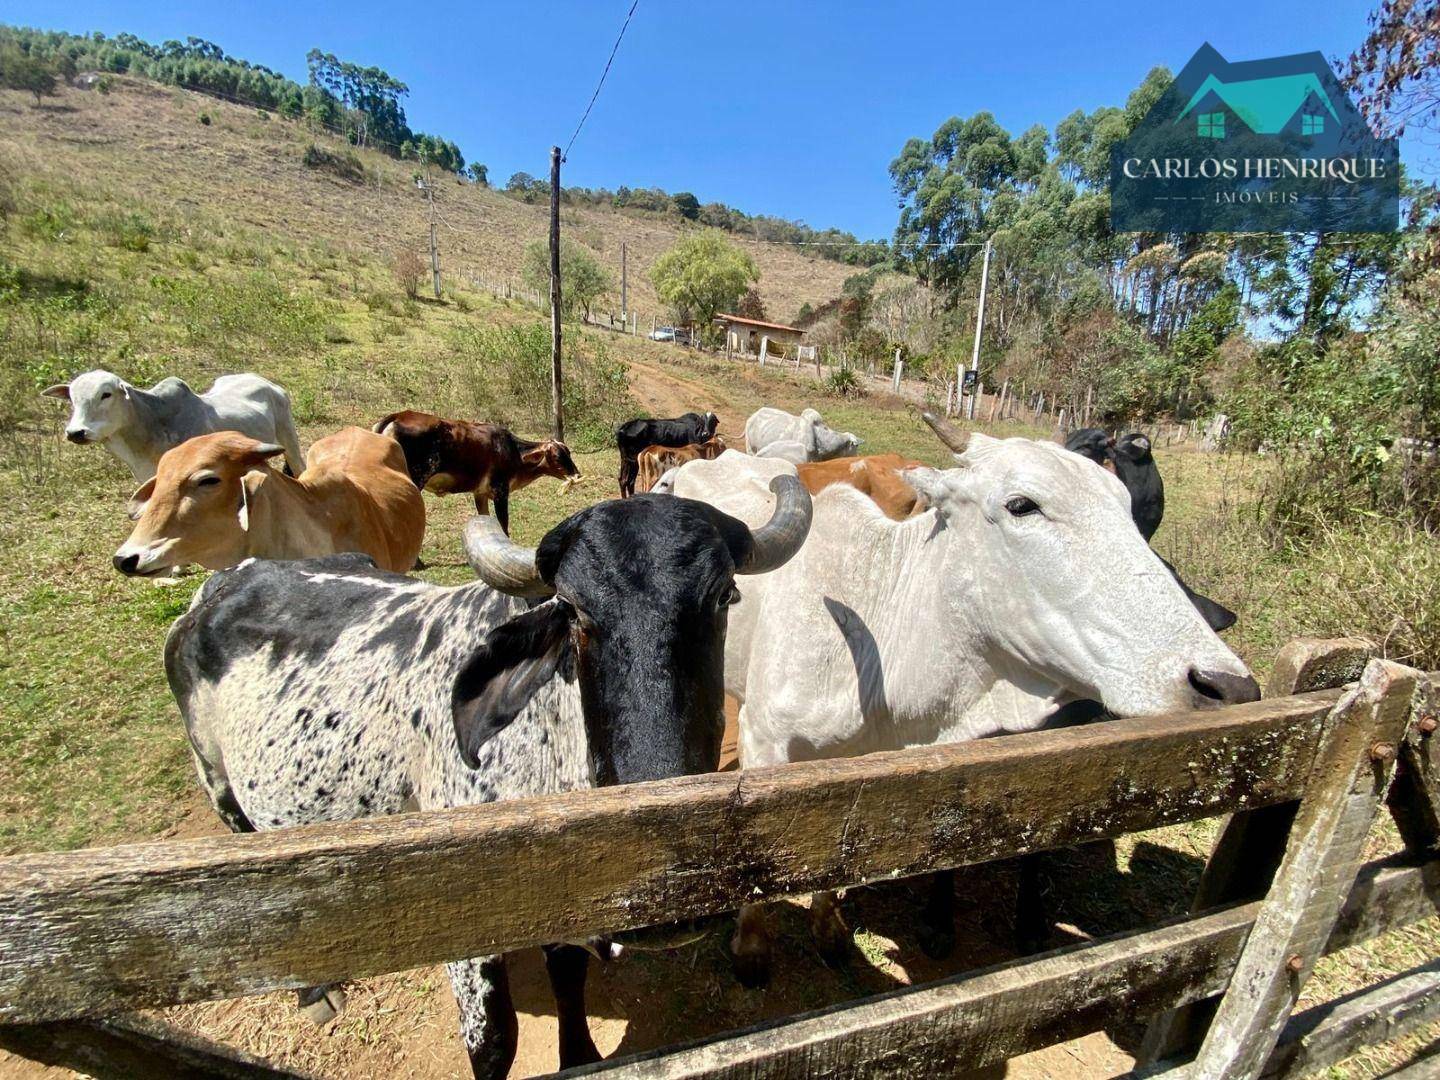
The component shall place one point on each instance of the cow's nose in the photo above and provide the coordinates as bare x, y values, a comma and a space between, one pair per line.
126, 564
1224, 687
76, 436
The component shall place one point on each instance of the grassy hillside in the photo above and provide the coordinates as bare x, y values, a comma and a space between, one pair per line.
145, 144
139, 239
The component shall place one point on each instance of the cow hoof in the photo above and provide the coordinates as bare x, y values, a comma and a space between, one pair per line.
750, 959
937, 942
321, 1004
751, 970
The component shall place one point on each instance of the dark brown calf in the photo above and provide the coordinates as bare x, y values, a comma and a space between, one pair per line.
448, 456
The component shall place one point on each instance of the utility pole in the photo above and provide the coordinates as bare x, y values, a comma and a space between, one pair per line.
979, 323
426, 185
624, 309
555, 372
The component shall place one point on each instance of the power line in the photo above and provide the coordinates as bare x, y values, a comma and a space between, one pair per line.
601, 83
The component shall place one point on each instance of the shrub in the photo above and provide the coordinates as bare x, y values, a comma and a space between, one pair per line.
409, 271
345, 164
582, 279
508, 370
843, 382
205, 118
131, 232
54, 223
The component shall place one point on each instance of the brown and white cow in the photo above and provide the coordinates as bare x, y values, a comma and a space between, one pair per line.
449, 456
214, 500
876, 475
655, 461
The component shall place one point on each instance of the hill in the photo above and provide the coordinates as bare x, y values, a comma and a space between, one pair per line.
203, 141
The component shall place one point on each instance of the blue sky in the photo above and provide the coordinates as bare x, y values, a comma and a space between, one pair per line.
793, 109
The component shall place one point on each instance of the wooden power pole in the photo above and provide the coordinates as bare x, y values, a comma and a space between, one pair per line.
624, 309
426, 185
555, 365
979, 323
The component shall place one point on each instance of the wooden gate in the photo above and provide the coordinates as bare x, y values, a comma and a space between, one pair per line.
88, 936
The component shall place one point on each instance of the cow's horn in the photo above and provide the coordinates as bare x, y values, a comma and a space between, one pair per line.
500, 562
780, 538
954, 439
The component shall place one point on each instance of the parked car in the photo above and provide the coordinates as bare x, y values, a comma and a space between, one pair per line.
677, 334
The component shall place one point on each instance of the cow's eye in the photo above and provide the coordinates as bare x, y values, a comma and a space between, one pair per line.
1020, 506
730, 597
207, 481
105, 396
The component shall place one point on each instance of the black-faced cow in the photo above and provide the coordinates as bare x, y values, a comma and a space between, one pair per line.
326, 690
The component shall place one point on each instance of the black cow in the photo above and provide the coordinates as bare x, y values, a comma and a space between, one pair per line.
635, 435
326, 690
1131, 460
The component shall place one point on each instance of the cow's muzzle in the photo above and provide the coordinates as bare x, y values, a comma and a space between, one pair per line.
78, 436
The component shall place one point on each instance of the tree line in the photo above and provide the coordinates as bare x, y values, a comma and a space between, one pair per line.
363, 104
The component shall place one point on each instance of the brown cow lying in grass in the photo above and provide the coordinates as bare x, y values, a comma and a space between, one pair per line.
876, 475
449, 456
655, 461
215, 501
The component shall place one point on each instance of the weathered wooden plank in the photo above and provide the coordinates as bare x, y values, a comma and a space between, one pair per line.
124, 1047
981, 1018
1250, 847
1352, 769
1414, 797
112, 929
1305, 664
1331, 1032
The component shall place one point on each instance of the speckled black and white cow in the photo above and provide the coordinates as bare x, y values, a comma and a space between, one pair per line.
325, 690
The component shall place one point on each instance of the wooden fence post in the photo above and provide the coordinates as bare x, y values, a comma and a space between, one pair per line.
1414, 797
1352, 767
1251, 845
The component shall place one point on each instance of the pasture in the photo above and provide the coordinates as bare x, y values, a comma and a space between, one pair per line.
102, 272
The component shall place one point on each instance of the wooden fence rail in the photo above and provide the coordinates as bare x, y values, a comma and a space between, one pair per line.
92, 933
103, 930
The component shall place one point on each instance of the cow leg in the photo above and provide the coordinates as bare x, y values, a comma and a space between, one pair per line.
750, 947
488, 1025
567, 965
628, 471
937, 918
320, 1003
1032, 921
502, 507
828, 929
482, 504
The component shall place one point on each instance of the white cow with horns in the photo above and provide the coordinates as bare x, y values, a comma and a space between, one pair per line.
1024, 588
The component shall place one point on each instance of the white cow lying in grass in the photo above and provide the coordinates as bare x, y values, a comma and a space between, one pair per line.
138, 426
1024, 588
777, 434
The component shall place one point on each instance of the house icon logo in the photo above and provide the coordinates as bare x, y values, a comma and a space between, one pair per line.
1271, 145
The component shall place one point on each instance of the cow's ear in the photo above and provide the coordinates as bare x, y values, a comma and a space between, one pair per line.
249, 485
60, 390
136, 506
516, 659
